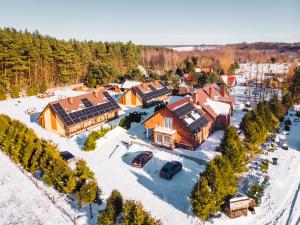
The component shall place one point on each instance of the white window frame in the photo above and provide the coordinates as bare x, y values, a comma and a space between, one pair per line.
168, 122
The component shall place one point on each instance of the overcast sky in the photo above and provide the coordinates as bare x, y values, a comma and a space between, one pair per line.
157, 21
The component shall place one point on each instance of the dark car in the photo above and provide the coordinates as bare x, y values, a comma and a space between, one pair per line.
141, 159
170, 169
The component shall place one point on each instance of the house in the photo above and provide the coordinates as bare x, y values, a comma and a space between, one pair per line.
145, 94
220, 94
74, 114
219, 111
228, 80
180, 124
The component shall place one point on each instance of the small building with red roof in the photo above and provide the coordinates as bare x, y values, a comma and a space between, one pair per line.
228, 80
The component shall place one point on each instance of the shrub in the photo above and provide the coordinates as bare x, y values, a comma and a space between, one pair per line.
33, 90
264, 166
254, 190
287, 128
126, 121
90, 143
43, 88
2, 93
15, 91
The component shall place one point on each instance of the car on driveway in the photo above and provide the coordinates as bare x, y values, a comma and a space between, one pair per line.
141, 159
170, 169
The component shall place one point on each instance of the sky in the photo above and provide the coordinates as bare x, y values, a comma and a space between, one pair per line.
158, 22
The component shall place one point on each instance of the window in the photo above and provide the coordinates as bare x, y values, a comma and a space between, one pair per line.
159, 139
168, 122
166, 140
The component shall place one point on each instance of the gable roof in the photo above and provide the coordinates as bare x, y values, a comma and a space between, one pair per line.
190, 115
216, 93
229, 80
151, 90
74, 110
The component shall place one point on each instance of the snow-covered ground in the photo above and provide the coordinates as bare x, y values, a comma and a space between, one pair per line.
167, 200
21, 202
251, 70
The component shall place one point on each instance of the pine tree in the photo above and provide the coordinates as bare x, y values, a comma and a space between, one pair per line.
202, 200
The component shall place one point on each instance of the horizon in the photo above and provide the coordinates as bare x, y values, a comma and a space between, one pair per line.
158, 23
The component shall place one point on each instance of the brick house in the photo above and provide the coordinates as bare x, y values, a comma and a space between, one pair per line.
145, 94
74, 114
181, 124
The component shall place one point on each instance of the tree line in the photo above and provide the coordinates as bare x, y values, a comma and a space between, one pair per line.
23, 146
36, 61
219, 180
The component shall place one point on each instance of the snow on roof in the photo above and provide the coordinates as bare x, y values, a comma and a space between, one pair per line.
129, 84
220, 108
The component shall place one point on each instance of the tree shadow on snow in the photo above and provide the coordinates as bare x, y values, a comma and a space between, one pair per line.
176, 191
80, 139
34, 116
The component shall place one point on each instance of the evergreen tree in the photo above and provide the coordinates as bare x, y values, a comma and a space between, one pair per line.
232, 148
202, 200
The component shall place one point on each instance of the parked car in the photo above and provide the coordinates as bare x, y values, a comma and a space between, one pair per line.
141, 159
170, 169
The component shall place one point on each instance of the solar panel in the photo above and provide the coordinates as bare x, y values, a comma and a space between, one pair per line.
196, 126
89, 112
186, 108
153, 94
62, 114
86, 102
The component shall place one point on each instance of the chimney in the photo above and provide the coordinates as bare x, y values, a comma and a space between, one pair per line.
70, 100
222, 90
195, 97
95, 94
210, 91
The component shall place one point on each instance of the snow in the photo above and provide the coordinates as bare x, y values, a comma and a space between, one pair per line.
21, 202
219, 108
129, 84
166, 200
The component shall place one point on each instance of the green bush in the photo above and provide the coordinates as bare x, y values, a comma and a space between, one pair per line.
90, 143
126, 121
43, 88
254, 190
15, 91
33, 90
2, 93
264, 166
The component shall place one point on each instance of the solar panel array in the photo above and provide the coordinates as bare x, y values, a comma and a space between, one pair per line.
87, 113
153, 94
86, 102
196, 126
186, 108
151, 87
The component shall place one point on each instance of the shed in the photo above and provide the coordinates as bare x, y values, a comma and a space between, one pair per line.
237, 206
68, 156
